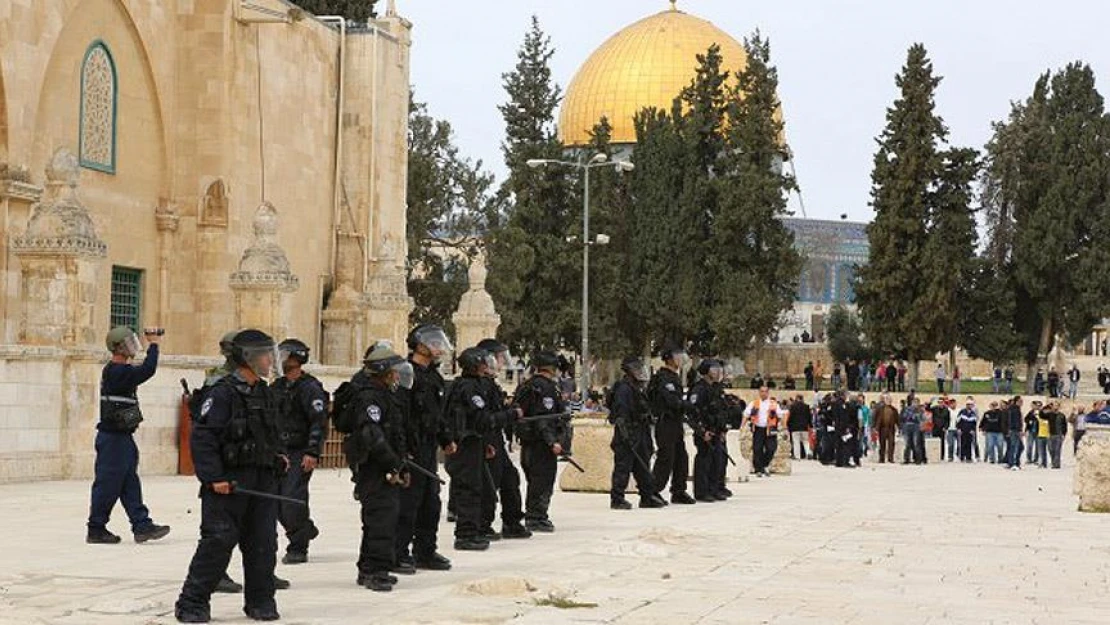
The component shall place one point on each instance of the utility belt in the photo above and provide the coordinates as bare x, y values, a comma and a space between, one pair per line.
120, 413
294, 440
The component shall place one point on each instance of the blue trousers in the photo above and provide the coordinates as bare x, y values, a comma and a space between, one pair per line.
117, 479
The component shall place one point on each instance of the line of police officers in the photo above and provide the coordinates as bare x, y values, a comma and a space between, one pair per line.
255, 445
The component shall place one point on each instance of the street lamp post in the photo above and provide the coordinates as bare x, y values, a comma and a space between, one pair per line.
598, 160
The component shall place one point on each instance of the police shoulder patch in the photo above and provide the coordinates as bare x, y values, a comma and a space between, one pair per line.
548, 403
374, 413
318, 405
205, 407
694, 398
669, 387
478, 401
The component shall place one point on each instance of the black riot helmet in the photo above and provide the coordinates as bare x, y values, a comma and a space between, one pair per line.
499, 356
295, 349
634, 368
431, 336
256, 350
545, 360
472, 358
675, 355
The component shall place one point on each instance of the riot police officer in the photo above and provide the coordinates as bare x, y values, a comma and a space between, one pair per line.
418, 520
665, 394
541, 442
503, 478
632, 447
470, 417
708, 413
236, 443
375, 452
304, 428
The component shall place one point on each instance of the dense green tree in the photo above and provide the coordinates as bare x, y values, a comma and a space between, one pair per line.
448, 198
893, 288
534, 273
1047, 189
753, 254
354, 10
845, 335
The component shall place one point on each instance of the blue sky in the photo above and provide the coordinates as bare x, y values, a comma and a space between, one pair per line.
836, 58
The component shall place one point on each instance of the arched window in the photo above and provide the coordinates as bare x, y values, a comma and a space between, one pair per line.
99, 92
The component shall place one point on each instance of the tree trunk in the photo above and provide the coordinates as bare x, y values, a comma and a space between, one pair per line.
914, 373
1043, 347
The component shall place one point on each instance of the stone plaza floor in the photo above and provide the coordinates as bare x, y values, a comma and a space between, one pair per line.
942, 543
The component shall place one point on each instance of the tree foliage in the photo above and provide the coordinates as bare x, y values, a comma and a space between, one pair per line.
449, 198
1047, 193
354, 10
533, 271
922, 241
845, 335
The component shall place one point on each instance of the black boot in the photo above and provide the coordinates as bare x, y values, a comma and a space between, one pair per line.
154, 532
404, 566
435, 562
295, 557
378, 582
101, 537
471, 544
515, 531
620, 504
262, 613
185, 614
281, 584
228, 585
650, 502
682, 498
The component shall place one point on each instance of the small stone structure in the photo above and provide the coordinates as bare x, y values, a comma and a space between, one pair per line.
476, 317
780, 464
264, 280
60, 255
1092, 470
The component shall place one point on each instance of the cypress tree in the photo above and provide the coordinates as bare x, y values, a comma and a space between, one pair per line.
890, 288
752, 259
533, 273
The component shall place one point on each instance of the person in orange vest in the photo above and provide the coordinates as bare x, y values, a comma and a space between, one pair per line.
763, 416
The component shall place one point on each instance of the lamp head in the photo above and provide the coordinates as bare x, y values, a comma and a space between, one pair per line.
598, 158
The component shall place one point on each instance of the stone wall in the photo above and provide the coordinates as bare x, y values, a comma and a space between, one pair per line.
213, 116
49, 407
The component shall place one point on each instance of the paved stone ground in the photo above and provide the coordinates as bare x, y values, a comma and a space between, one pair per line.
945, 543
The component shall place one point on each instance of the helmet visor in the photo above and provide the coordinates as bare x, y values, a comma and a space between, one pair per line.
435, 339
638, 371
716, 373
132, 345
405, 374
264, 360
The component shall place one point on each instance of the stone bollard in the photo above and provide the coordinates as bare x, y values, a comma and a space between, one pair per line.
1092, 469
592, 434
780, 464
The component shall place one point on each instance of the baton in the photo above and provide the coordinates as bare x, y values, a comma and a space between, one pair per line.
185, 386
236, 490
571, 462
421, 470
545, 417
632, 448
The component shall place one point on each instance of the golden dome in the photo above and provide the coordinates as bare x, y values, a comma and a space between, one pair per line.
646, 64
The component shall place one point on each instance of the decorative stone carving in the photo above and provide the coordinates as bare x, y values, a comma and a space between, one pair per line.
166, 217
264, 281
59, 257
477, 316
59, 223
98, 109
214, 205
264, 265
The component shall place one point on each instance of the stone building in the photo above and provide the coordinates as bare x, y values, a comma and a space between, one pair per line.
200, 165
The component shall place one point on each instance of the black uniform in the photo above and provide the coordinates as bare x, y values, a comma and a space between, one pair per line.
708, 414
540, 396
846, 421
470, 418
631, 444
235, 438
673, 462
304, 428
503, 480
373, 451
418, 522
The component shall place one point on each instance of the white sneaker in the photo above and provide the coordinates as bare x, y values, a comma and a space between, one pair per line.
1015, 468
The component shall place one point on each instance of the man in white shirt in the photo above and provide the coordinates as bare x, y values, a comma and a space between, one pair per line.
764, 415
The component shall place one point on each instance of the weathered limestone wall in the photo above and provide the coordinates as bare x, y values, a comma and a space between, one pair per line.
49, 407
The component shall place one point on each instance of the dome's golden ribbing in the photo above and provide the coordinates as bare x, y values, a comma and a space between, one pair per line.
646, 64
